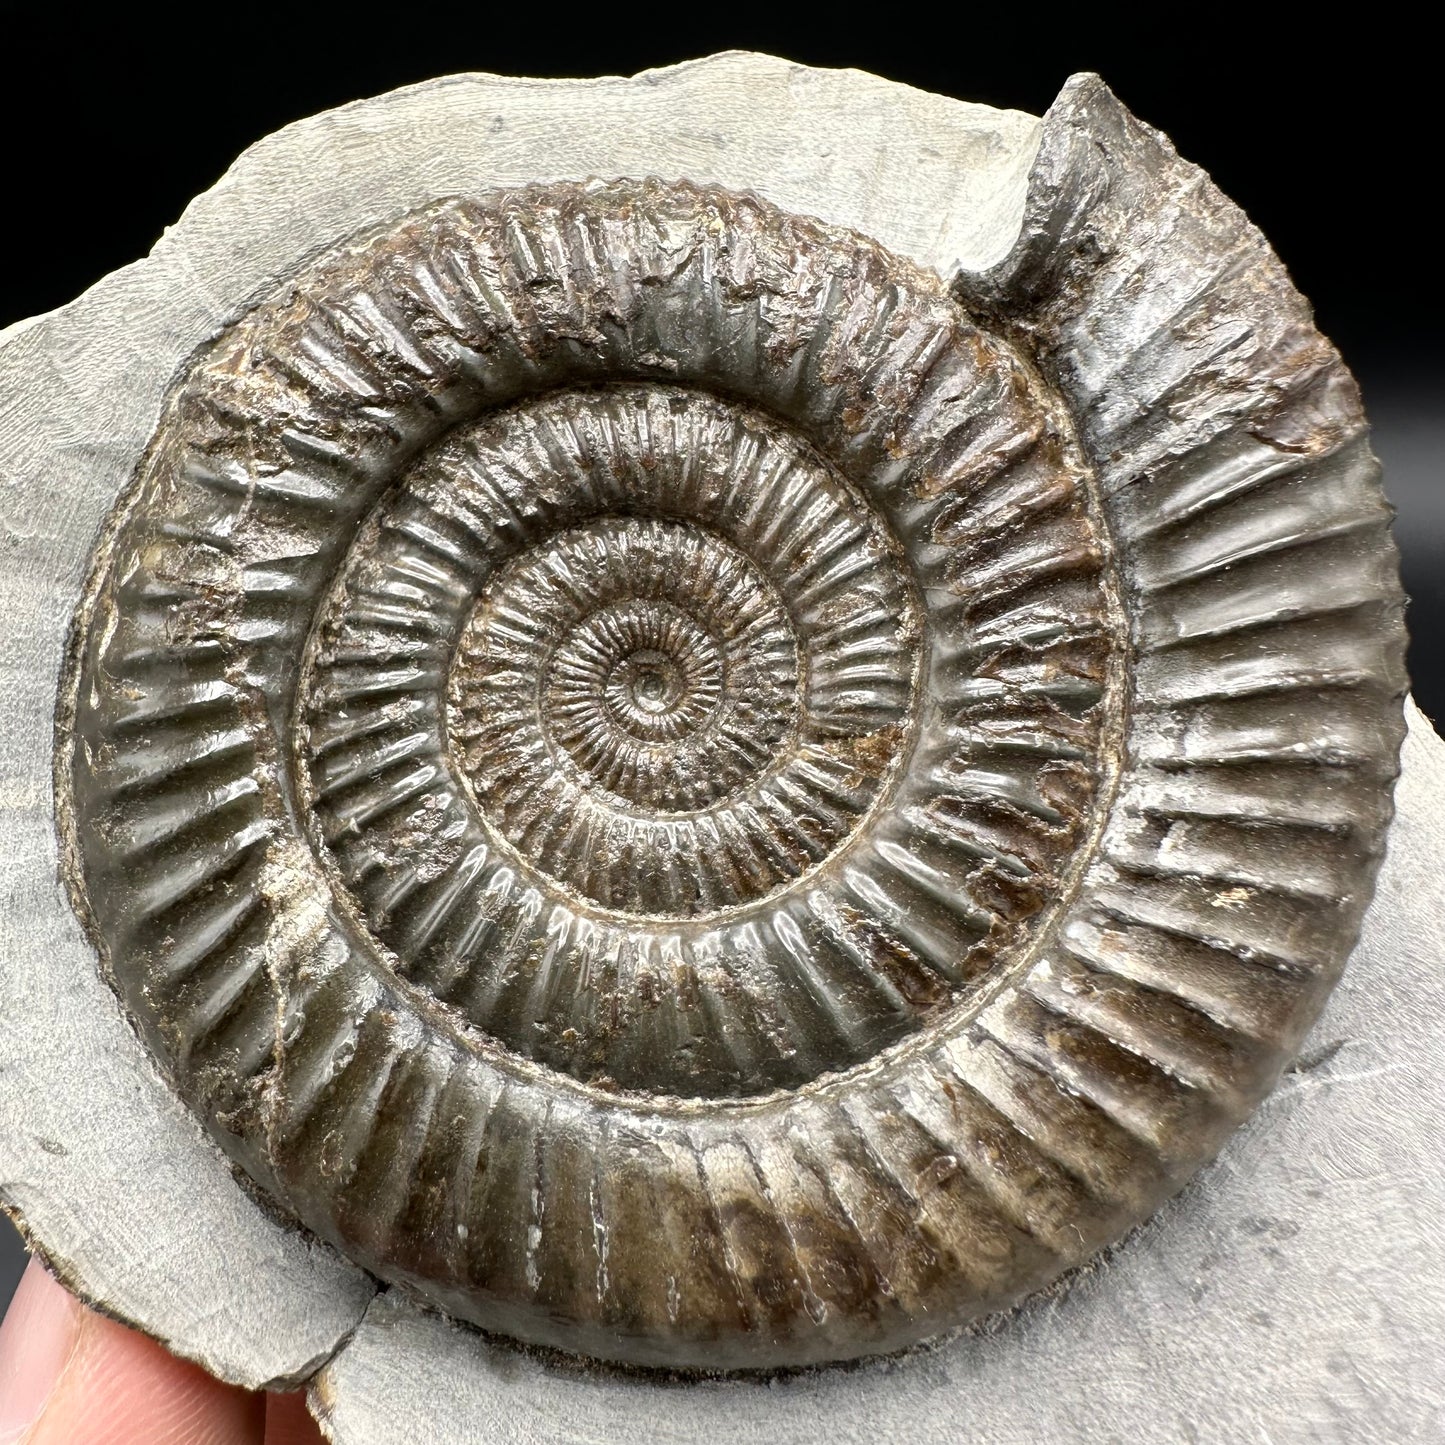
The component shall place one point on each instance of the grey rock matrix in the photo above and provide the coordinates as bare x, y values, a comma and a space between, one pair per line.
719, 771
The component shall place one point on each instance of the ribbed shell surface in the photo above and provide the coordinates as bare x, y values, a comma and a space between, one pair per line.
701, 795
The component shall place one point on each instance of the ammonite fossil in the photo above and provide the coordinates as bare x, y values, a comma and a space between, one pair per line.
695, 791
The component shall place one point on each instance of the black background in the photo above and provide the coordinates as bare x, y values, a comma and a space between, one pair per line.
1324, 130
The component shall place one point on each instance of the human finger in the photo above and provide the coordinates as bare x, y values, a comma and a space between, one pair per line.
69, 1375
289, 1422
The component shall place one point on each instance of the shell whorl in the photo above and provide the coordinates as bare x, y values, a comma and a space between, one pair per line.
612, 749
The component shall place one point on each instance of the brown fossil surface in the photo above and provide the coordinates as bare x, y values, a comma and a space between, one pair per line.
695, 793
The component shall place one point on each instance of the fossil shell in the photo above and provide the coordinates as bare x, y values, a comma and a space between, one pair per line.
696, 794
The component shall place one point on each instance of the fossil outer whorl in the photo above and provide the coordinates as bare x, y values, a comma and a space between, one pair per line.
657, 779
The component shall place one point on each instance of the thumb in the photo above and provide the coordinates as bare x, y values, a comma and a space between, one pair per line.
68, 1375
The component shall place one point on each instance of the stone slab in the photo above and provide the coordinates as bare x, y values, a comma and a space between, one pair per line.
1293, 1292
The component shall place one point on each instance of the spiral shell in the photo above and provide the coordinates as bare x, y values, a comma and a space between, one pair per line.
652, 776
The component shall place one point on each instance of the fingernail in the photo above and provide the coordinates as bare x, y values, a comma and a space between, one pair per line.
36, 1342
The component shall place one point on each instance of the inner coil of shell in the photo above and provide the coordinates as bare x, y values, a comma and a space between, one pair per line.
588, 723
